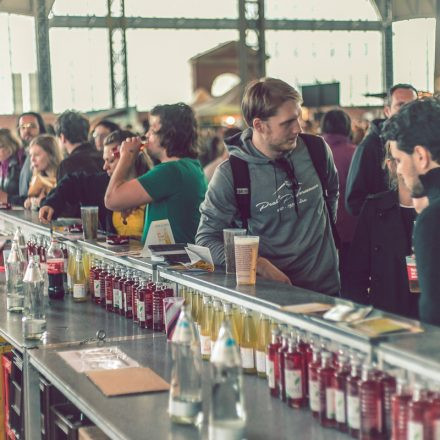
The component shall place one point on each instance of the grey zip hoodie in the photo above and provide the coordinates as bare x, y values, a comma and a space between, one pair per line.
300, 245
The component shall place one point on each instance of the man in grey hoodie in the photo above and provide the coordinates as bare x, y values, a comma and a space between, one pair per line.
288, 210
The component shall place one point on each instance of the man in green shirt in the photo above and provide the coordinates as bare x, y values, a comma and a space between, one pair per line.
173, 189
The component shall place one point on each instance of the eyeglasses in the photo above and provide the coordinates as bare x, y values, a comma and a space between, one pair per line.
288, 168
28, 125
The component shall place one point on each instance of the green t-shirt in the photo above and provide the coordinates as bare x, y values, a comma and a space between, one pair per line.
177, 189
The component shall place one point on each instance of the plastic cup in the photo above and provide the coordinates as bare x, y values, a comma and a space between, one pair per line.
171, 311
246, 255
228, 239
89, 217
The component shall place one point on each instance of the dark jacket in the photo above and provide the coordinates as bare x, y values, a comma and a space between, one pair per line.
9, 177
377, 258
84, 158
427, 250
366, 175
78, 189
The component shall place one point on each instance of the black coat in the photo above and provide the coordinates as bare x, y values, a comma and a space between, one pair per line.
78, 189
377, 258
9, 182
427, 249
366, 174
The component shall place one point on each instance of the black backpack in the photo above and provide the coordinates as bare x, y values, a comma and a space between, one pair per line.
242, 189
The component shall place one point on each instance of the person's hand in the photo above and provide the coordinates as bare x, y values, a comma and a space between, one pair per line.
130, 147
267, 270
420, 204
45, 214
27, 203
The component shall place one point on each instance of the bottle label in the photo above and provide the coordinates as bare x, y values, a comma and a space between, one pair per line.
79, 291
411, 268
415, 431
69, 281
181, 408
293, 381
314, 395
330, 403
141, 311
340, 406
261, 361
205, 345
270, 373
116, 297
353, 412
247, 357
55, 266
97, 288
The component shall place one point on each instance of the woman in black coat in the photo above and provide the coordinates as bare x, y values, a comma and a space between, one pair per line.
377, 273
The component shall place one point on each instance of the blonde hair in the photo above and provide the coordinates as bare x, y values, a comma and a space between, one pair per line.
9, 141
50, 146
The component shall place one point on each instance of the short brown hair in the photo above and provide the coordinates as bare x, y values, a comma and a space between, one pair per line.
264, 96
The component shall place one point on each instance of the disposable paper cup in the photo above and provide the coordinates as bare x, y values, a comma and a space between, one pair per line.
171, 311
228, 239
246, 255
89, 217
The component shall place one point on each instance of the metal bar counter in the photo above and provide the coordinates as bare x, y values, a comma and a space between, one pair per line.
145, 415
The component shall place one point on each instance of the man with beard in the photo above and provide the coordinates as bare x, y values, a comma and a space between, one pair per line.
30, 125
414, 135
287, 206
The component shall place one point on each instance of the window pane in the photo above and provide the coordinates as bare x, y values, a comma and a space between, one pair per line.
80, 7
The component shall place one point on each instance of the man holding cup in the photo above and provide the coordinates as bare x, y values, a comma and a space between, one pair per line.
287, 206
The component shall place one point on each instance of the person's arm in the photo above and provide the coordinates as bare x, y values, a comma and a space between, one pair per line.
427, 250
122, 193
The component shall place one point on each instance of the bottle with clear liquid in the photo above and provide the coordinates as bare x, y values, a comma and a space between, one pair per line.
227, 417
14, 279
19, 238
205, 329
34, 317
185, 399
79, 280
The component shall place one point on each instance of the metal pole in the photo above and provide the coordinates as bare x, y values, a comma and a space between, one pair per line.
242, 46
110, 46
437, 49
387, 51
261, 23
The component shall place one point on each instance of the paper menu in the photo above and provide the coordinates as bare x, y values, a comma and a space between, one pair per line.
159, 233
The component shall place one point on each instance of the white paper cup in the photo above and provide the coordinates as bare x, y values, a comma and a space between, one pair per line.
246, 255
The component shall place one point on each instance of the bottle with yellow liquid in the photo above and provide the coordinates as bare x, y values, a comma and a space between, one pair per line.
248, 343
199, 307
263, 340
205, 328
217, 319
238, 319
227, 310
79, 281
86, 264
70, 268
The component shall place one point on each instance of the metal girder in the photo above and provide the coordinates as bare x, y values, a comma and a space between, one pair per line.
213, 23
387, 46
43, 56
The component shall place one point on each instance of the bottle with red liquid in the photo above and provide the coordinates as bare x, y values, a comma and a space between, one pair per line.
280, 363
66, 260
272, 370
102, 276
433, 419
109, 288
399, 411
314, 399
116, 289
353, 404
128, 295
340, 386
140, 309
148, 301
326, 390
304, 347
370, 404
97, 283
123, 279
134, 297
41, 250
388, 386
158, 321
31, 247
93, 264
55, 269
418, 412
294, 375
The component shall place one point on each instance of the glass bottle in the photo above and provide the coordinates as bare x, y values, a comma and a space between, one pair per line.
353, 404
340, 387
227, 416
19, 238
272, 370
399, 411
71, 270
303, 347
55, 269
205, 329
248, 344
280, 364
158, 319
314, 399
135, 297
102, 276
326, 390
65, 266
148, 299
370, 404
79, 280
263, 340
388, 387
227, 316
294, 375
34, 317
185, 399
31, 246
96, 282
217, 319
108, 285
116, 289
14, 279
127, 293
417, 412
140, 308
238, 319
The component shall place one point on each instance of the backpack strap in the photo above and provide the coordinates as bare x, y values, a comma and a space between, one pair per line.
318, 153
242, 188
